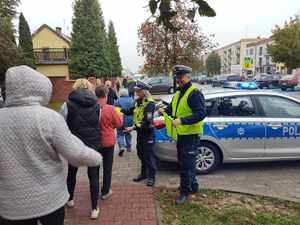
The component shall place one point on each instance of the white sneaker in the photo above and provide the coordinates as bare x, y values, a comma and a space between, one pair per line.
104, 197
95, 213
71, 204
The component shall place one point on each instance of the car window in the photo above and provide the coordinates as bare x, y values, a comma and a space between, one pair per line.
236, 106
233, 78
209, 105
279, 107
155, 81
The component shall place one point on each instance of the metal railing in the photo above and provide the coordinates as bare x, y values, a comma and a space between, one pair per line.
51, 55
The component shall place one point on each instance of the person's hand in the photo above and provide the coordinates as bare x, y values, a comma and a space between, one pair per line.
128, 129
176, 122
161, 111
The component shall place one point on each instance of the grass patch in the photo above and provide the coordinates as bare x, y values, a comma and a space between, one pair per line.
55, 105
224, 208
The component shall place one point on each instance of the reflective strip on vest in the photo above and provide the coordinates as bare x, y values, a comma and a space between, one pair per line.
181, 110
138, 113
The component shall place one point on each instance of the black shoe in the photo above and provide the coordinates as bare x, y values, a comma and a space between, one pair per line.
192, 191
140, 178
121, 152
195, 190
181, 199
150, 182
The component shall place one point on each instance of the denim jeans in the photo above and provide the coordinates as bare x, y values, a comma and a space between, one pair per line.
124, 140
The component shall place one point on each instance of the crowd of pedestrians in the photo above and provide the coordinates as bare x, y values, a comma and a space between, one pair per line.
84, 132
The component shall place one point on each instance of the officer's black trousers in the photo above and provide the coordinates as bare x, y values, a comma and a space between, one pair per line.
186, 154
145, 152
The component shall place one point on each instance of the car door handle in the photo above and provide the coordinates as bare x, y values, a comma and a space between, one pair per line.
274, 125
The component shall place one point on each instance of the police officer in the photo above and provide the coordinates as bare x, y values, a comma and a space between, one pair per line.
143, 123
187, 110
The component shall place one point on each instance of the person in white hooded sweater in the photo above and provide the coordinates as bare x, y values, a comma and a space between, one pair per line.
32, 140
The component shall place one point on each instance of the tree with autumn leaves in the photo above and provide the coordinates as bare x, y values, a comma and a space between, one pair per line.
163, 47
286, 44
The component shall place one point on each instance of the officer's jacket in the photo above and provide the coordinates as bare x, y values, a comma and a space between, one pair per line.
146, 124
195, 101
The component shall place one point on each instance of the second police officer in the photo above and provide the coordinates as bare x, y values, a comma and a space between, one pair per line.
143, 113
187, 111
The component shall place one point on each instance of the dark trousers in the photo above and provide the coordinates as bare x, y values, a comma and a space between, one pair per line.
93, 174
108, 159
186, 154
145, 152
131, 94
56, 218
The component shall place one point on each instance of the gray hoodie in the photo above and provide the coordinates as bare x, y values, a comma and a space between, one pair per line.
32, 138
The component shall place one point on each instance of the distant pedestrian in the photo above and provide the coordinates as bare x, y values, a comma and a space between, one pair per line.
112, 95
130, 85
32, 139
125, 139
124, 82
81, 112
118, 85
98, 82
109, 121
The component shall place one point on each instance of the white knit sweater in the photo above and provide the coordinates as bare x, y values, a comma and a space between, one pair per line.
32, 139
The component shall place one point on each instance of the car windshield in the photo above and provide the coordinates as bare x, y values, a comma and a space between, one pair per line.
221, 77
275, 77
233, 78
288, 77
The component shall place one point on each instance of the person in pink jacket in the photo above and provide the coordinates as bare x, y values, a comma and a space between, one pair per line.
110, 119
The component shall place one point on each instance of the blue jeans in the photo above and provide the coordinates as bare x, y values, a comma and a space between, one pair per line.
124, 140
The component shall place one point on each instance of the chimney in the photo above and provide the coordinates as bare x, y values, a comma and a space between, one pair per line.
58, 30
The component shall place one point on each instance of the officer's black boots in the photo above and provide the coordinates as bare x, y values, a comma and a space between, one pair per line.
150, 182
181, 199
139, 178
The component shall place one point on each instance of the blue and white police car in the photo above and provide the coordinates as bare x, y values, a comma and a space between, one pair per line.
242, 126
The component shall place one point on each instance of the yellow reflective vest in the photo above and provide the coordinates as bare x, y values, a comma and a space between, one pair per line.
181, 109
138, 113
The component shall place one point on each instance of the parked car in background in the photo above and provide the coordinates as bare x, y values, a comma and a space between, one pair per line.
289, 82
137, 77
161, 84
268, 80
203, 79
221, 80
218, 80
241, 126
229, 78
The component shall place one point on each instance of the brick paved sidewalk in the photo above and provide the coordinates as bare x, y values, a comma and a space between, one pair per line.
130, 204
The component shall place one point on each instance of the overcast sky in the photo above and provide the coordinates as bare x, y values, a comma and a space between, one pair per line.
235, 19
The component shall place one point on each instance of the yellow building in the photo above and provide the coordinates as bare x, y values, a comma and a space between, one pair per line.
51, 49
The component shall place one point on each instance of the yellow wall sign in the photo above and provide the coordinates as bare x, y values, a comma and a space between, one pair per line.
248, 63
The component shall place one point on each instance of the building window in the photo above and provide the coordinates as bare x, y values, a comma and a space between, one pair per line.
46, 53
268, 60
260, 61
260, 51
251, 51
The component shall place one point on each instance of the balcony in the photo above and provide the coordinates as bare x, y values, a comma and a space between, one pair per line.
51, 56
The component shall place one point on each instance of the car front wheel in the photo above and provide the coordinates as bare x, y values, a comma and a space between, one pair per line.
208, 158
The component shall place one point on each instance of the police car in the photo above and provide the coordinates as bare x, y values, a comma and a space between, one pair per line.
241, 126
